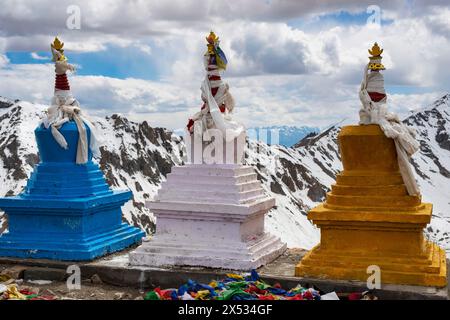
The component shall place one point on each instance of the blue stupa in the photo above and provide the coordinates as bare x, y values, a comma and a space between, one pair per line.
67, 210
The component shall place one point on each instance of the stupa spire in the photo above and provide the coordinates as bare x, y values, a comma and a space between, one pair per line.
65, 108
218, 102
61, 67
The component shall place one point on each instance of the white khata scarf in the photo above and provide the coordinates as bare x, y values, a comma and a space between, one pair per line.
404, 136
223, 121
64, 110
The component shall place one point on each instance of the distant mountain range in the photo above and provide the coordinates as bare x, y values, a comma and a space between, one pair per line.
283, 135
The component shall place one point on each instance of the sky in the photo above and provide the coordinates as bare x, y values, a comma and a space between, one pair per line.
290, 62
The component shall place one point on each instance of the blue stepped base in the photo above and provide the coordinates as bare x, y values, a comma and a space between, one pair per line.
61, 247
67, 211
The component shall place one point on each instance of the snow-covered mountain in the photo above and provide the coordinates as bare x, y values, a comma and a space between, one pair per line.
284, 135
139, 157
432, 164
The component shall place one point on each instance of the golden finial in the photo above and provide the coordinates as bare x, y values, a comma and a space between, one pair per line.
376, 51
58, 45
375, 58
212, 38
214, 50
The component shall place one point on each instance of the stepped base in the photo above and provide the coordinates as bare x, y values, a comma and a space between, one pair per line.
73, 229
369, 219
233, 255
429, 270
69, 247
210, 216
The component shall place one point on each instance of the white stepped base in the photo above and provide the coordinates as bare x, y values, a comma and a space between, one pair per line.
210, 216
236, 256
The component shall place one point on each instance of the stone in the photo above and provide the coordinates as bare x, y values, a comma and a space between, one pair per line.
15, 272
95, 279
210, 216
67, 210
369, 219
51, 274
119, 295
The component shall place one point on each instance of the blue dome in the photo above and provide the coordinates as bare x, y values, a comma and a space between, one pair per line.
51, 151
58, 175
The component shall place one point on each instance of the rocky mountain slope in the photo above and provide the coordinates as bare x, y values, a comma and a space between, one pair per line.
138, 157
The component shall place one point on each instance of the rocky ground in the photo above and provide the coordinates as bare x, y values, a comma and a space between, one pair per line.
91, 289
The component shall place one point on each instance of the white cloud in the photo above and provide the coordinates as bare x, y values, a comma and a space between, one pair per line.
439, 20
36, 56
3, 60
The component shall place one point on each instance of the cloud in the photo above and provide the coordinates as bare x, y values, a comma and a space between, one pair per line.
24, 23
100, 95
269, 48
439, 21
36, 56
3, 60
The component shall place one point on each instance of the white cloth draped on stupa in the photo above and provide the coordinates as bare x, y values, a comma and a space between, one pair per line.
64, 108
375, 112
218, 101
222, 121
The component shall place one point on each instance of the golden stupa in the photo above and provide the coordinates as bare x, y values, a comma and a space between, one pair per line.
368, 219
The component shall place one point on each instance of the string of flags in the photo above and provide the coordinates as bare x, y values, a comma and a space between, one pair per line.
244, 287
232, 287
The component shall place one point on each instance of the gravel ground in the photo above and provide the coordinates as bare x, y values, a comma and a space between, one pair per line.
91, 289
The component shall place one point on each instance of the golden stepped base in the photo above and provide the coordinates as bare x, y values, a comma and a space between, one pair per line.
406, 270
368, 219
